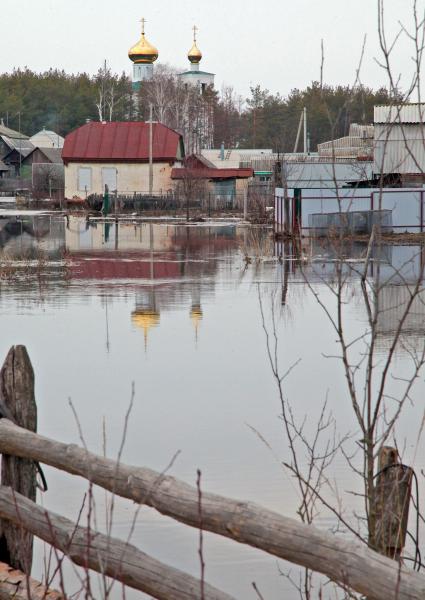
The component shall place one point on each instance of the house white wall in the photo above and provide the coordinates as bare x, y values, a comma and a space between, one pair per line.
130, 177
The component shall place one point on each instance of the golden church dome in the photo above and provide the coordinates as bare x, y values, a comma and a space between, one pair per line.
143, 52
194, 55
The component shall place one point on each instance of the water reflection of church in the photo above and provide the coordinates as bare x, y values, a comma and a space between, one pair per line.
168, 266
150, 303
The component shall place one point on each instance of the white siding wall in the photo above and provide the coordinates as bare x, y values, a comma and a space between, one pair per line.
399, 139
399, 148
131, 177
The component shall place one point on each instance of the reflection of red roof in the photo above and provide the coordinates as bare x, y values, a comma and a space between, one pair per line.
91, 266
205, 173
120, 142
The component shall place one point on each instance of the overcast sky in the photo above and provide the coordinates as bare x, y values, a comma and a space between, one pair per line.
273, 43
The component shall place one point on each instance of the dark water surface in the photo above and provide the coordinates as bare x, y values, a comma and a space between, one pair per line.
175, 312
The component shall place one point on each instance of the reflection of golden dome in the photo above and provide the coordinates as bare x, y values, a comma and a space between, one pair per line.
196, 317
143, 52
145, 319
194, 54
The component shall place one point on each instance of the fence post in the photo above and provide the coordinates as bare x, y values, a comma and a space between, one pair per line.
245, 203
17, 400
392, 500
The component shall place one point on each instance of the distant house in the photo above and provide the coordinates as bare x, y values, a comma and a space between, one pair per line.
219, 182
11, 139
117, 154
15, 160
45, 167
47, 139
14, 147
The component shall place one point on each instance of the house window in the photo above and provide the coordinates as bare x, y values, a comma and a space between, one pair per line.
109, 178
84, 179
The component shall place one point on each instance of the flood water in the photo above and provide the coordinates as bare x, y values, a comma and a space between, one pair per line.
174, 313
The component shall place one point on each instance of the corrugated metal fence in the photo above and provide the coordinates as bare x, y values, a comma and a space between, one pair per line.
407, 206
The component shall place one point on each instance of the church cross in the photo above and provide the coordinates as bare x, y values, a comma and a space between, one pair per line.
195, 29
143, 21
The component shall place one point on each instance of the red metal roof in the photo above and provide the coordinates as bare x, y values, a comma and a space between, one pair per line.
211, 173
120, 142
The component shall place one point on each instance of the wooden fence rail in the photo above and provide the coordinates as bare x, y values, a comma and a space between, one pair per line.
343, 560
106, 555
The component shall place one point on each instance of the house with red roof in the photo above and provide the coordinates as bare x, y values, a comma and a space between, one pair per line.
116, 154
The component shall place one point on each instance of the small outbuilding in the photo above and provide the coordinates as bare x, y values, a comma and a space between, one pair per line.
45, 167
200, 176
11, 140
399, 150
117, 154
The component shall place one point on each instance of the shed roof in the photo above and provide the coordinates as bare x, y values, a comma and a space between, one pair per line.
21, 145
47, 139
3, 167
53, 155
14, 154
121, 142
11, 132
410, 113
214, 173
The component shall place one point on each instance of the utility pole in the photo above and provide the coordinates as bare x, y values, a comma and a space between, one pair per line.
20, 145
305, 130
299, 131
150, 151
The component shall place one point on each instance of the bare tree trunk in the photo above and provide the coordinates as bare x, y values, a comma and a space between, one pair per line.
351, 563
109, 556
17, 400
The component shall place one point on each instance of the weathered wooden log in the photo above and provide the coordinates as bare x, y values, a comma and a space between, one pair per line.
16, 585
392, 501
343, 560
17, 401
104, 554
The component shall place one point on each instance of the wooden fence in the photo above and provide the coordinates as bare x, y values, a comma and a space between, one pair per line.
346, 561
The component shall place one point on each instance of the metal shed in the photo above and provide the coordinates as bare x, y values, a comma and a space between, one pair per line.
399, 139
